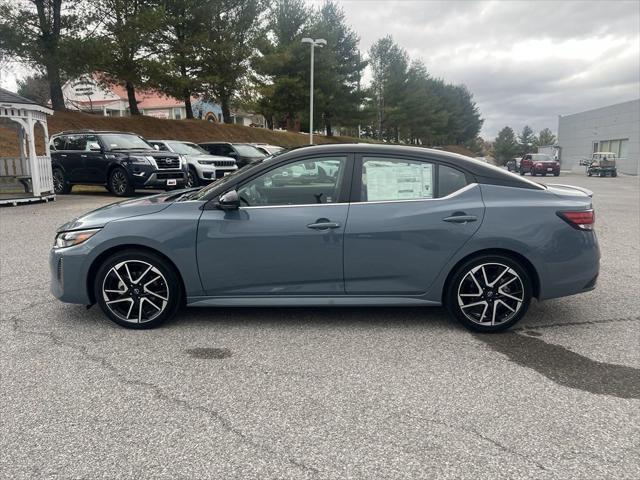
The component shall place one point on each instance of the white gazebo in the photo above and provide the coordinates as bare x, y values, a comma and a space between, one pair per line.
27, 177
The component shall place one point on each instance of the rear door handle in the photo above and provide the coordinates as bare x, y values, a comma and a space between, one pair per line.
323, 225
460, 218
83, 156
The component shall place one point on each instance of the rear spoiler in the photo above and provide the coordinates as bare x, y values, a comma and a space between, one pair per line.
572, 187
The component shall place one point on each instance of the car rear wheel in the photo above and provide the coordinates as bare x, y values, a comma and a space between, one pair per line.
489, 293
137, 289
119, 183
61, 185
533, 172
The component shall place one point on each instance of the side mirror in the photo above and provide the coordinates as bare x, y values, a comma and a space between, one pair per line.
229, 201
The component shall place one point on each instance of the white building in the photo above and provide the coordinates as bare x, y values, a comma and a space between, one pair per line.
615, 128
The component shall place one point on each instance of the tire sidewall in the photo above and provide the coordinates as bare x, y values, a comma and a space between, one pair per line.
66, 188
452, 292
173, 282
194, 174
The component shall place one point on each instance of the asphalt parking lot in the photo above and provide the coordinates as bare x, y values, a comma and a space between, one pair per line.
320, 393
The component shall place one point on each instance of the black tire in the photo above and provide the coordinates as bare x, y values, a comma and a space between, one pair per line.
556, 174
119, 183
544, 174
614, 173
589, 173
494, 299
168, 290
532, 172
61, 185
522, 172
192, 178
603, 174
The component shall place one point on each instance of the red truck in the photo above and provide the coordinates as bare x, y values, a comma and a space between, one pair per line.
539, 164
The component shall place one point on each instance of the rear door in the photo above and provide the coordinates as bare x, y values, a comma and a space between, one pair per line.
408, 218
71, 159
95, 162
286, 239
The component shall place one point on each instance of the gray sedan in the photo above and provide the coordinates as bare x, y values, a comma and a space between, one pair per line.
335, 225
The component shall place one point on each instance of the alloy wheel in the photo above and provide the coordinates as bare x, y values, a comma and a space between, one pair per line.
118, 182
491, 294
58, 181
190, 179
135, 291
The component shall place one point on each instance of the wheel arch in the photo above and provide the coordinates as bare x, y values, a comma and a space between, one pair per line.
100, 259
518, 257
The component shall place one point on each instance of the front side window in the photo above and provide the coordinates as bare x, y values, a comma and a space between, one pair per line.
304, 182
385, 179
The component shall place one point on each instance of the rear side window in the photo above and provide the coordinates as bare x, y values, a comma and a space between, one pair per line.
76, 142
59, 143
387, 179
450, 180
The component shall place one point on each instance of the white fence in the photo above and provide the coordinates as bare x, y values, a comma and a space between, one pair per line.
44, 181
12, 167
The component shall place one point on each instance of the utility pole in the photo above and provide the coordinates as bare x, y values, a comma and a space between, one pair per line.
318, 42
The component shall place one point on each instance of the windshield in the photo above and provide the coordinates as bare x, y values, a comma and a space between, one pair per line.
248, 151
187, 148
124, 141
541, 157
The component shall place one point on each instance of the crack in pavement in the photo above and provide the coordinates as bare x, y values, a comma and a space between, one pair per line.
484, 437
160, 394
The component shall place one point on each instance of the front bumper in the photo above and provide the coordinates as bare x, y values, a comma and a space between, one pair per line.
160, 179
68, 275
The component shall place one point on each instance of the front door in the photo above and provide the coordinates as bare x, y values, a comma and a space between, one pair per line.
72, 160
411, 219
285, 239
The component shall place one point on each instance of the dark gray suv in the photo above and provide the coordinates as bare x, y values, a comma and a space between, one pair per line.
120, 161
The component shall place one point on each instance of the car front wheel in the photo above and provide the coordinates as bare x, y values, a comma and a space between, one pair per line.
489, 293
192, 178
137, 289
119, 183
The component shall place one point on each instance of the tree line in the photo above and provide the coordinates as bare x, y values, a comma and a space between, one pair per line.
508, 145
239, 53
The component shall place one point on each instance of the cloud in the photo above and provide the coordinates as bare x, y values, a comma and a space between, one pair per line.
526, 62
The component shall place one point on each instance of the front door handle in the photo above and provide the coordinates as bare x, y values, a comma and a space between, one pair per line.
460, 218
323, 225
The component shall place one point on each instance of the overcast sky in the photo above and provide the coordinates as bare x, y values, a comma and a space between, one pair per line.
525, 62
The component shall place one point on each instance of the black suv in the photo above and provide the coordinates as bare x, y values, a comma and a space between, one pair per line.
121, 161
242, 153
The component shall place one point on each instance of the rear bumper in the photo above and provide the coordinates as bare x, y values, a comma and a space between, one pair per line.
576, 273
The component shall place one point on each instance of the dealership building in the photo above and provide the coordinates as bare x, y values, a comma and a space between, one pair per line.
615, 128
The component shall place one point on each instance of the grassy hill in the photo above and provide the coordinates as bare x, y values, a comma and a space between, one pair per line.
160, 129
155, 128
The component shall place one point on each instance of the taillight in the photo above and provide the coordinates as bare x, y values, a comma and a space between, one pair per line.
582, 220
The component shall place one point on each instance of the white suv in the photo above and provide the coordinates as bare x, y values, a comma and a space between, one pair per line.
203, 167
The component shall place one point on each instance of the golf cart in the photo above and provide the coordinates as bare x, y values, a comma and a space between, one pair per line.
602, 164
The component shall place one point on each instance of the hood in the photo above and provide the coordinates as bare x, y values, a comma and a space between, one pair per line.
118, 211
150, 152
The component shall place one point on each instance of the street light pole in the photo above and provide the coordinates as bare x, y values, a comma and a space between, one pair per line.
319, 42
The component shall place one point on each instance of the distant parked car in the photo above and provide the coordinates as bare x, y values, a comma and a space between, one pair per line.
268, 149
242, 153
203, 167
513, 165
602, 164
121, 161
539, 164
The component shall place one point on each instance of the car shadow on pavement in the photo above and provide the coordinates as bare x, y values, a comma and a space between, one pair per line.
565, 367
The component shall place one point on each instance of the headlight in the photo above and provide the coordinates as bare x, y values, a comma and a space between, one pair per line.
69, 239
205, 162
140, 160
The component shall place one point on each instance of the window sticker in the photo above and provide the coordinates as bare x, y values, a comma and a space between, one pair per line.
398, 181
